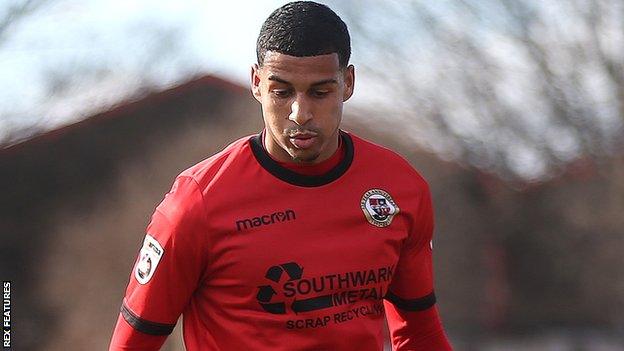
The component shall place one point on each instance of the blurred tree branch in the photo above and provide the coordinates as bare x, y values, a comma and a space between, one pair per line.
499, 79
16, 12
90, 71
11, 14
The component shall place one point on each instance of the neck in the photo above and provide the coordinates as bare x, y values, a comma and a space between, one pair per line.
317, 168
278, 153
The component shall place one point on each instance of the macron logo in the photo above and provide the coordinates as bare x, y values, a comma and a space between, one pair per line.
275, 217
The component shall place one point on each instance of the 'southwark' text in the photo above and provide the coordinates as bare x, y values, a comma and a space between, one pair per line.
275, 217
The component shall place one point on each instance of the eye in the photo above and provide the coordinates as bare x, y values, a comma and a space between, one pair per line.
320, 93
281, 93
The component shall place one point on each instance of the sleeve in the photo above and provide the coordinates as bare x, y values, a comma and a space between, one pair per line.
126, 338
411, 313
167, 271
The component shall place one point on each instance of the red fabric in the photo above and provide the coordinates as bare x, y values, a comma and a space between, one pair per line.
178, 224
253, 262
126, 338
416, 331
316, 169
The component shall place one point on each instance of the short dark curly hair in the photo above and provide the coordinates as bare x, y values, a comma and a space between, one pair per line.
304, 28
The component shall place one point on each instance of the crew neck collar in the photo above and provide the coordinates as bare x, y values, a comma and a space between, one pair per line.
294, 178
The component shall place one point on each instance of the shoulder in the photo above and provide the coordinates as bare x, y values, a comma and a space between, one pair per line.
370, 154
189, 187
207, 171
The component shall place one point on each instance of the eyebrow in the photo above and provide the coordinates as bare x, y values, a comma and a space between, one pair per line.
280, 80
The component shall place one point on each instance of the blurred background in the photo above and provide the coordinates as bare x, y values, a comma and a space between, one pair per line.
512, 109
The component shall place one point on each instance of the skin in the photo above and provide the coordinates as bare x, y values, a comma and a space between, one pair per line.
302, 99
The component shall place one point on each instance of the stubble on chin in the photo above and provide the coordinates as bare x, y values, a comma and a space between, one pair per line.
301, 157
309, 159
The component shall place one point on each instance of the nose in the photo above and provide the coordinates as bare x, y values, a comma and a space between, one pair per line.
300, 111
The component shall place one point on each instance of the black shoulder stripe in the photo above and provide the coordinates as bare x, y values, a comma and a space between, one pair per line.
419, 304
144, 326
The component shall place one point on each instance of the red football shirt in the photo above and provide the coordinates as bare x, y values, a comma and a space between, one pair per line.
258, 257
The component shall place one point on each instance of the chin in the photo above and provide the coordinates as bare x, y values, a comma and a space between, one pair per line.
304, 157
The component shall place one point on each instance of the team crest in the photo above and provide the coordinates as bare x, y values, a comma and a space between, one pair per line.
150, 255
378, 207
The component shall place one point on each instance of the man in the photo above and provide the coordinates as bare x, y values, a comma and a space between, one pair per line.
300, 238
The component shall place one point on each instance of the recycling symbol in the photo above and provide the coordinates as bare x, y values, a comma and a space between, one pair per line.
276, 274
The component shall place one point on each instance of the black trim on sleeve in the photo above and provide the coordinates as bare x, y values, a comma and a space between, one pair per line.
419, 304
147, 327
294, 178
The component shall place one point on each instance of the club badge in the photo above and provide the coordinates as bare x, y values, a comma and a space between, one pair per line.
149, 256
378, 207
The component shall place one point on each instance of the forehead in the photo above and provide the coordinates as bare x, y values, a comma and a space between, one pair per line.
293, 68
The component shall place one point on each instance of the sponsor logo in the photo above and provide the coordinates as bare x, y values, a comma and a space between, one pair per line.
378, 207
275, 274
149, 257
355, 294
267, 219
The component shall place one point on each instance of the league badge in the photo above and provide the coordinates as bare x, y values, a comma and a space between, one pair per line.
378, 207
149, 256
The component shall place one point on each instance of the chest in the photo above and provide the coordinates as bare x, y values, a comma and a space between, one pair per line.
305, 245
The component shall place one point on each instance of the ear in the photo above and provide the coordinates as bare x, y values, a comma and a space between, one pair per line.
255, 82
349, 82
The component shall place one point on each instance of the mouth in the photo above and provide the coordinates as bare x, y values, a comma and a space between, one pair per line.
303, 140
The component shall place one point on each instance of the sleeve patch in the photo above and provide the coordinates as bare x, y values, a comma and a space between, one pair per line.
143, 325
419, 304
149, 257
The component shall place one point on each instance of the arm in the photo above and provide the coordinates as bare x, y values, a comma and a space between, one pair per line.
411, 313
126, 338
416, 330
167, 272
